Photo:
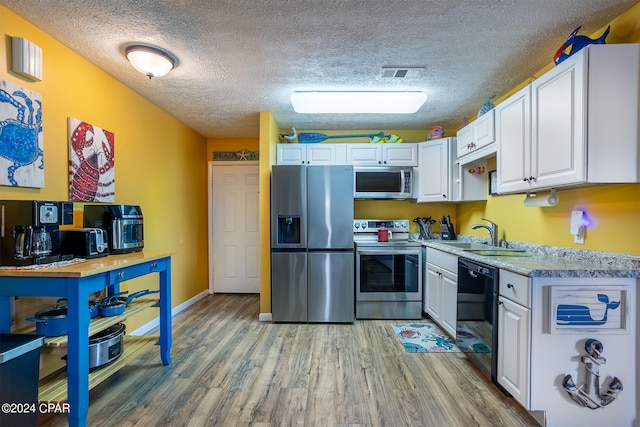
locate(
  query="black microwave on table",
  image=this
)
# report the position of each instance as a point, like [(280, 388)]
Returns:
[(388, 182)]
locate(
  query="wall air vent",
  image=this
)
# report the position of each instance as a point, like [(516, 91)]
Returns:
[(401, 72)]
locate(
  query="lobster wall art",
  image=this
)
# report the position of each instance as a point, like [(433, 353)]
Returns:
[(91, 163), (21, 151)]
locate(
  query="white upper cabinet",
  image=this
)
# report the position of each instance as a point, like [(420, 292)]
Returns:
[(513, 128), (348, 154), (477, 139), (436, 171), (311, 154), (578, 123), (558, 143), (382, 154)]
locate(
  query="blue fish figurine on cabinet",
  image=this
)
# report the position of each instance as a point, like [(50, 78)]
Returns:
[(574, 43), (487, 106)]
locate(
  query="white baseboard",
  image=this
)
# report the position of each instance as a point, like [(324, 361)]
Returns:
[(265, 317), (177, 309)]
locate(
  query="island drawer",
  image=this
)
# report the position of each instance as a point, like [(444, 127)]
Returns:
[(515, 287)]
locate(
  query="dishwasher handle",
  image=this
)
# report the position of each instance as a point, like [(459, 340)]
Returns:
[(476, 270)]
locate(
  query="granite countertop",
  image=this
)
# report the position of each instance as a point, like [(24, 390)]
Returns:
[(550, 261)]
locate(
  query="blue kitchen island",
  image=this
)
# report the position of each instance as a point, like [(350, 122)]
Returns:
[(77, 282)]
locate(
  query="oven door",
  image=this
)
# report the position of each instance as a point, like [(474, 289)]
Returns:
[(388, 274)]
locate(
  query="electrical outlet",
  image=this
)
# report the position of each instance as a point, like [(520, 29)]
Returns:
[(577, 227)]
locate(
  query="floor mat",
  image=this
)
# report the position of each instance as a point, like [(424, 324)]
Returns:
[(428, 338)]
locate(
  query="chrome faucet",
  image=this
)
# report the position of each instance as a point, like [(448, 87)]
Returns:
[(492, 228)]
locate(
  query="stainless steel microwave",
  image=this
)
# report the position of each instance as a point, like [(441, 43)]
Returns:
[(383, 182)]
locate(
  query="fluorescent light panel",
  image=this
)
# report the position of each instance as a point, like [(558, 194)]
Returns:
[(357, 102)]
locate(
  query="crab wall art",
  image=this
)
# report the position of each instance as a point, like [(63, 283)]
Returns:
[(21, 152), (91, 163)]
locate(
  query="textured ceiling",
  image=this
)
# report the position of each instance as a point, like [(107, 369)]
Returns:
[(240, 57)]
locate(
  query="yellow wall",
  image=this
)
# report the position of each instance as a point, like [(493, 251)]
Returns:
[(268, 140), (160, 163), (612, 210)]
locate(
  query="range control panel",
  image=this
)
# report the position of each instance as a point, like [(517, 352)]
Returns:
[(373, 225)]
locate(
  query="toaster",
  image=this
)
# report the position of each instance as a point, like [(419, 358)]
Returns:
[(123, 224), (84, 242)]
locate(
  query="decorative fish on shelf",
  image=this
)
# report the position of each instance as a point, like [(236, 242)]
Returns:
[(311, 137), (487, 106), (574, 43)]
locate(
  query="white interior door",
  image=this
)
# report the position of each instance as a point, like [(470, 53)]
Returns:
[(233, 223)]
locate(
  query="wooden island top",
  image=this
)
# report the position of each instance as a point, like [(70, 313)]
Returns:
[(86, 268)]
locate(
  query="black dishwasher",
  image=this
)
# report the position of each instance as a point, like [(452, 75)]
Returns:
[(478, 310)]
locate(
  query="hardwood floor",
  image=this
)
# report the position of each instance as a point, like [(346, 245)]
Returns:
[(229, 369)]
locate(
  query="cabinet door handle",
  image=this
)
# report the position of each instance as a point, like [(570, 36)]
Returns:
[(444, 195), (532, 178), (525, 179), (509, 285), (121, 275), (500, 302)]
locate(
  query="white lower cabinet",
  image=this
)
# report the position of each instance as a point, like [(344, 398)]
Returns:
[(514, 335), (449, 283), (513, 349), (441, 292), (432, 292)]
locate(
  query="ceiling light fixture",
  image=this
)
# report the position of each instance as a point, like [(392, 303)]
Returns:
[(150, 61), (362, 102)]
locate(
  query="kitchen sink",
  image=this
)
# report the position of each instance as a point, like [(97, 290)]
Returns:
[(479, 248), (498, 252), (465, 246)]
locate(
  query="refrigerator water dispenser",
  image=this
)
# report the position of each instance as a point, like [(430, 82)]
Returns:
[(288, 229)]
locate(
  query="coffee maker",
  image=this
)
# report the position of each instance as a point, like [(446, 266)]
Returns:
[(29, 231)]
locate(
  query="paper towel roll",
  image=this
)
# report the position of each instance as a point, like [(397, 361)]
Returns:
[(541, 200)]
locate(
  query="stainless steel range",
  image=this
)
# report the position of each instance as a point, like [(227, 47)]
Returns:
[(388, 273)]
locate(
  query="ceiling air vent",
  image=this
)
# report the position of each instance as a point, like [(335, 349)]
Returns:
[(401, 72)]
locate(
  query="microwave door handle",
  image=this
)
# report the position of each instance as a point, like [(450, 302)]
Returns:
[(402, 180)]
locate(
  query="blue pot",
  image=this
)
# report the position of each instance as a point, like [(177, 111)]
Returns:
[(52, 322)]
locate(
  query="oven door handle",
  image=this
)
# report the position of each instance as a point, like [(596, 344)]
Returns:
[(388, 252)]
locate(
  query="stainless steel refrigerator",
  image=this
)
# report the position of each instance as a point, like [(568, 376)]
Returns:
[(312, 260)]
